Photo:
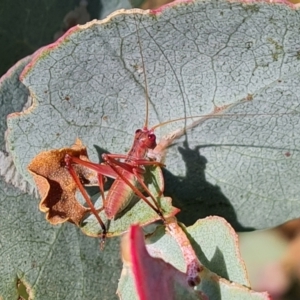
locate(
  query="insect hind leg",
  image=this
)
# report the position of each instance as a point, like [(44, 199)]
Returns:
[(70, 168)]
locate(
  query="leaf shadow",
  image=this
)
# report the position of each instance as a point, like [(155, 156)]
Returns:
[(194, 195), (217, 264)]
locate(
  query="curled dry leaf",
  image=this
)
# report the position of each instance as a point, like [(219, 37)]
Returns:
[(56, 186)]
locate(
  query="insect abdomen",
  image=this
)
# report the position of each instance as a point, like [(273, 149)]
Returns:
[(120, 195)]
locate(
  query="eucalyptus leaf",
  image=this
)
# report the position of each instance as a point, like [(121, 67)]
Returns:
[(53, 262), (50, 261), (199, 58), (217, 249)]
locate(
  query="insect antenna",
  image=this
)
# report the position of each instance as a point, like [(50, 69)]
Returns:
[(145, 75)]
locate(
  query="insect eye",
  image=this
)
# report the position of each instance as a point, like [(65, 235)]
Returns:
[(138, 131), (151, 137)]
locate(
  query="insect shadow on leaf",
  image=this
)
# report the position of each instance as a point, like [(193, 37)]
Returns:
[(194, 195)]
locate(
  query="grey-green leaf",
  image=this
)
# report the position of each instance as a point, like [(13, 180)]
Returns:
[(200, 57), (53, 262), (216, 245)]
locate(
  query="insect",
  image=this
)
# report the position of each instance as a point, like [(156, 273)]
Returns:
[(128, 176)]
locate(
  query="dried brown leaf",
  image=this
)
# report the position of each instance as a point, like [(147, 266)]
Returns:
[(57, 187)]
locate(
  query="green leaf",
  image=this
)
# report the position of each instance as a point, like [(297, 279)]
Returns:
[(153, 277), (13, 96), (217, 248), (51, 261), (198, 57), (140, 213)]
